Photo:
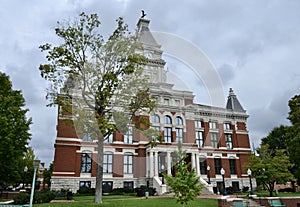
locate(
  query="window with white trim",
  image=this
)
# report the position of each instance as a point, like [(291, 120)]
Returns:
[(214, 139), (168, 120), (128, 163), (178, 120), (155, 118), (86, 163), (128, 135), (226, 126), (213, 125), (198, 124), (107, 163), (179, 135), (199, 138), (228, 140), (168, 134)]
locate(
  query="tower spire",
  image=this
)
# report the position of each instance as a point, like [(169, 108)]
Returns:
[(233, 102)]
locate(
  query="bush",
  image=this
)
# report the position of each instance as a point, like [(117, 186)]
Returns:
[(86, 191), (142, 189), (22, 198), (44, 196), (121, 191), (245, 189)]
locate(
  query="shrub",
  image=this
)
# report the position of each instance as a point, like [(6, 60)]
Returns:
[(44, 196), (86, 191), (245, 189), (142, 189), (22, 198)]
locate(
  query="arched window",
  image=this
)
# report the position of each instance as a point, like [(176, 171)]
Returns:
[(155, 118), (178, 120), (168, 120)]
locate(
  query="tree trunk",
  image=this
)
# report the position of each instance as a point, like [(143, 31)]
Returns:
[(99, 173), (271, 189)]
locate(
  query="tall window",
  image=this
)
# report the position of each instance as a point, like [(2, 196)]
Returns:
[(213, 125), (228, 140), (109, 138), (203, 165), (168, 120), (226, 126), (179, 135), (168, 134), (218, 165), (107, 163), (232, 165), (198, 124), (214, 140), (128, 162), (86, 163), (178, 121), (155, 119), (199, 138), (179, 129), (128, 136)]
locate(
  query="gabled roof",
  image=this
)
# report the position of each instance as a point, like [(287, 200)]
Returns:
[(233, 102)]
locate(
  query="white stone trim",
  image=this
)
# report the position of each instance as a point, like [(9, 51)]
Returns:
[(64, 173), (68, 139)]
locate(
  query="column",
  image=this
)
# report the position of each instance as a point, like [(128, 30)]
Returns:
[(169, 162), (193, 161), (197, 165), (151, 164), (156, 163)]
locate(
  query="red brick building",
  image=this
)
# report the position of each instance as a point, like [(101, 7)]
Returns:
[(213, 137)]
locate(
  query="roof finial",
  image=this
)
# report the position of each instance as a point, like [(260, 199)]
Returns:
[(143, 14)]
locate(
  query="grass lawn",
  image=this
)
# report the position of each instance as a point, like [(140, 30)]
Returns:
[(117, 201)]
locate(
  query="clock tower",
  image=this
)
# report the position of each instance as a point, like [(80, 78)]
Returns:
[(152, 50)]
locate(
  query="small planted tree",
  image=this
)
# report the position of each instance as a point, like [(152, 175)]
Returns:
[(186, 184)]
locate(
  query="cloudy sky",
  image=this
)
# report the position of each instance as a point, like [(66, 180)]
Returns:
[(253, 44)]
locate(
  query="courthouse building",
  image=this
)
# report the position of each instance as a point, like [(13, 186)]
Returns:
[(213, 137)]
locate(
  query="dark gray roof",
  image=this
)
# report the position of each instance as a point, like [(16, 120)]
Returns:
[(233, 103)]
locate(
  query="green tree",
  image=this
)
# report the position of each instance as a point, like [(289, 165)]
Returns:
[(99, 79), (268, 169), (294, 134), (14, 132), (277, 139), (294, 114), (47, 175), (186, 184)]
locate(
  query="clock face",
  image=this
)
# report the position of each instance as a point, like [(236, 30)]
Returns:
[(149, 54)]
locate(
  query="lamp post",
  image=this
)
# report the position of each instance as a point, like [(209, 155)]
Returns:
[(162, 170), (224, 189), (249, 172), (25, 171), (36, 164), (208, 173)]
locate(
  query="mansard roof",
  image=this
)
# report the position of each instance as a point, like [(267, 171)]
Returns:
[(233, 102)]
